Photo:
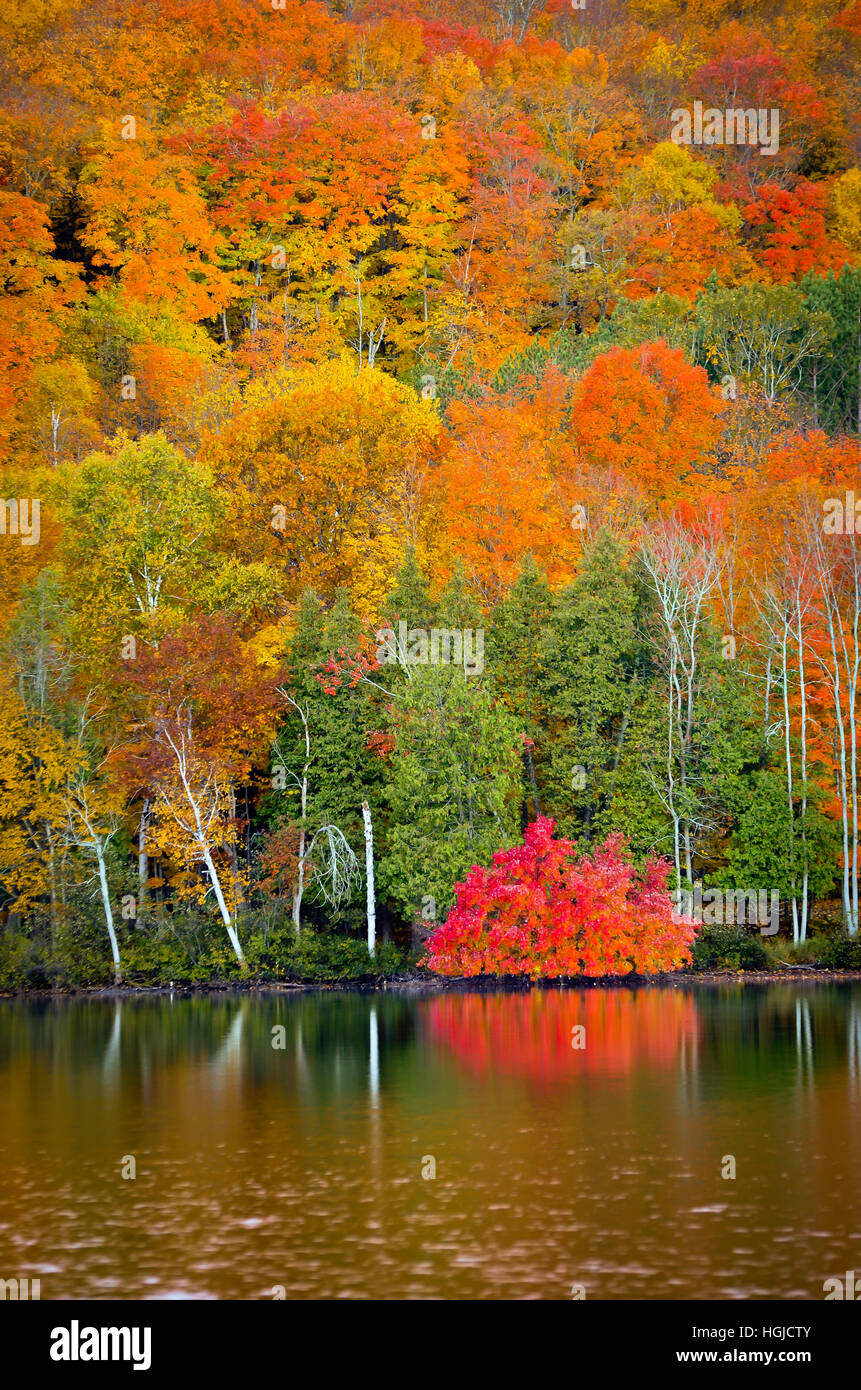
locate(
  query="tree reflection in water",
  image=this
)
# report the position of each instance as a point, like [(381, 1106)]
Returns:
[(532, 1035)]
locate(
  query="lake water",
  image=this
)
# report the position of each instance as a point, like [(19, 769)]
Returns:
[(307, 1167)]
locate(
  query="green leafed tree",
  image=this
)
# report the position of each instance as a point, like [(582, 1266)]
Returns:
[(454, 792), (763, 334), (324, 763), (831, 378), (137, 521), (592, 670), (517, 659)]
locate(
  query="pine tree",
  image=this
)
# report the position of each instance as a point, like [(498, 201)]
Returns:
[(458, 606), (590, 673), (516, 660), (831, 378), (409, 601), (307, 642), (453, 794), (338, 766)]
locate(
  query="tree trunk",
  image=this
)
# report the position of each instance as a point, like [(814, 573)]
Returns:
[(803, 697), (789, 787), (143, 856), (832, 619), (222, 905), (52, 879), (852, 669), (300, 881), (671, 786), (369, 877), (109, 915), (303, 811)]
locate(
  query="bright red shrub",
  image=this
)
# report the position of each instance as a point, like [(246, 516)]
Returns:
[(545, 911)]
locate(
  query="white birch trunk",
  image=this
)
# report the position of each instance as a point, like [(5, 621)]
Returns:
[(199, 831), (300, 883), (369, 878), (143, 856), (299, 890), (832, 618), (106, 902), (222, 905), (852, 680), (803, 699), (784, 669)]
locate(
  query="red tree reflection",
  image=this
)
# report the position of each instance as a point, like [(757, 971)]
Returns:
[(531, 1035)]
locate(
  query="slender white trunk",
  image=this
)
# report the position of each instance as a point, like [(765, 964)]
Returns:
[(369, 877), (852, 681), (683, 577), (222, 905), (830, 608), (788, 754), (106, 902), (143, 856), (300, 882), (686, 735), (303, 809), (671, 777), (300, 876), (803, 698), (199, 833)]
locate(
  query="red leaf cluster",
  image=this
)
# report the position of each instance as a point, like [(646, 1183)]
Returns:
[(543, 910), (346, 668)]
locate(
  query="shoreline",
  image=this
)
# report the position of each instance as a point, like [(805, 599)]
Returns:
[(429, 985)]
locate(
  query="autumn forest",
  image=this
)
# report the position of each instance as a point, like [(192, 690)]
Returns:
[(430, 458)]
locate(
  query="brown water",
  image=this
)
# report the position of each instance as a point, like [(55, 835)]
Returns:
[(302, 1166)]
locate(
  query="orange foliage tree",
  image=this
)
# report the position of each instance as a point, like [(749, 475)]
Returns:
[(648, 413)]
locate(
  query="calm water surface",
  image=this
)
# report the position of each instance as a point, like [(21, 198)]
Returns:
[(302, 1166)]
